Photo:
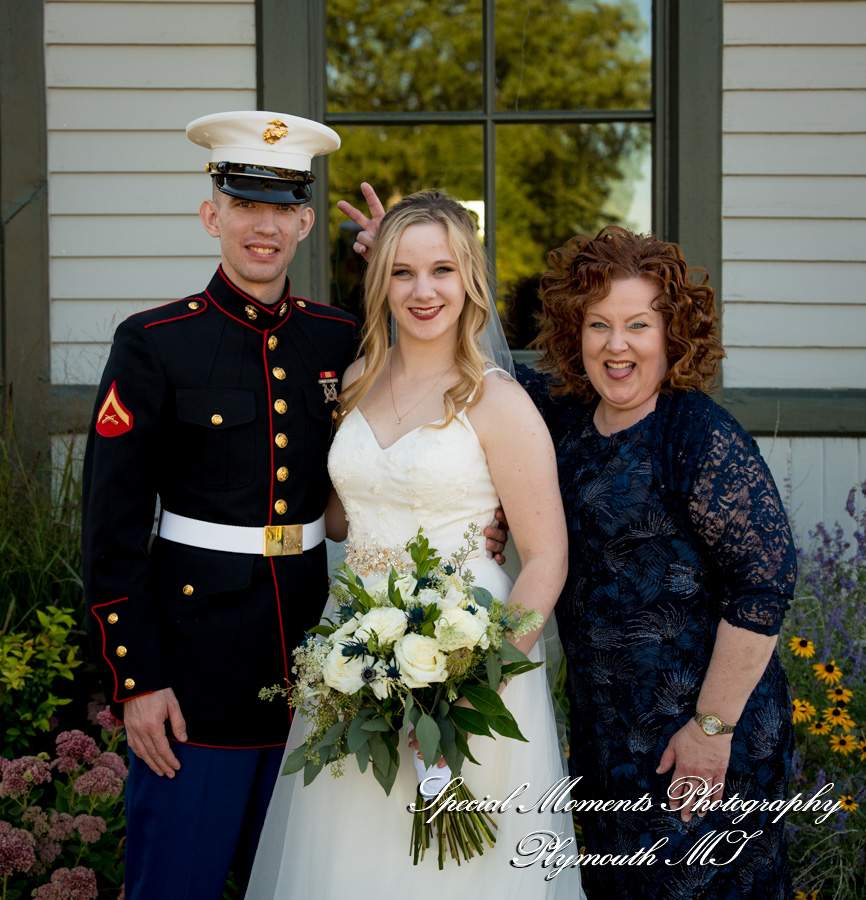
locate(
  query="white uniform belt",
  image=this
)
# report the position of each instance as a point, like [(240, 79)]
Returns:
[(268, 540)]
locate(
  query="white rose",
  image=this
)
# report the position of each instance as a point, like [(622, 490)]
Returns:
[(406, 586), (347, 628), (380, 593), (458, 628), (388, 622), (420, 660), (343, 673), (454, 597), (426, 596)]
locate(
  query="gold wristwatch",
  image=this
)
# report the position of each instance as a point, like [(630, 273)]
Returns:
[(713, 724)]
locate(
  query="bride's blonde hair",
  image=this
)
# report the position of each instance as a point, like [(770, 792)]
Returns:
[(460, 228)]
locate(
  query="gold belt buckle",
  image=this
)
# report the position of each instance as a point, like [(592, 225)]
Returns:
[(283, 540)]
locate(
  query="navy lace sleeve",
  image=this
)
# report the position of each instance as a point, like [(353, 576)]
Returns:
[(536, 385), (736, 512)]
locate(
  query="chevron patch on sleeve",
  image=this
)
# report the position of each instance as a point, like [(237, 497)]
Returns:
[(113, 418)]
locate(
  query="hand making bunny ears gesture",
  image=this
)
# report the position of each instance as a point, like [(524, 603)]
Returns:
[(364, 240)]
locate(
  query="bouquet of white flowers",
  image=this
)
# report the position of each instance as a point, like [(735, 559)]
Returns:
[(399, 658)]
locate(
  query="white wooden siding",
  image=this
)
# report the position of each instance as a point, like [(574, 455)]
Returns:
[(814, 476), (123, 78), (794, 194)]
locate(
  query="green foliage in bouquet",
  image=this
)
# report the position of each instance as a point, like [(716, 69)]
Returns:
[(400, 658)]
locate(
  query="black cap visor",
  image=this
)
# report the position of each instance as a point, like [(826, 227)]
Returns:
[(262, 185)]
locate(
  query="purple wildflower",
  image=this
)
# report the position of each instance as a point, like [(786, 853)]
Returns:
[(109, 721), (16, 850)]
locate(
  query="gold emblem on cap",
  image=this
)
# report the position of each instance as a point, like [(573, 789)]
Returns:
[(281, 506), (250, 311), (129, 684), (279, 373), (275, 133), (188, 589), (281, 440), (282, 473), (281, 406), (272, 343), (283, 309), (216, 419), (121, 651), (193, 304), (112, 618)]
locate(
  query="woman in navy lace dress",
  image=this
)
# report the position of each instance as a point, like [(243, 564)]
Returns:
[(681, 568)]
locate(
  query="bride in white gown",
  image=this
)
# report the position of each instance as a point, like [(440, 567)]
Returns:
[(427, 441)]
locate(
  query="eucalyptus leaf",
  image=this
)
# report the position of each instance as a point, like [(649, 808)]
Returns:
[(295, 761), (482, 596), (312, 768), (494, 670), (377, 724), (379, 752), (356, 737), (363, 757), (448, 742), (427, 735), (463, 746), (385, 777)]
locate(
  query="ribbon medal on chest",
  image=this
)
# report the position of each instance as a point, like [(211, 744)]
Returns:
[(329, 380)]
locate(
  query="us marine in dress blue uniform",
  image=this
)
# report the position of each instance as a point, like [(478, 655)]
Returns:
[(219, 404)]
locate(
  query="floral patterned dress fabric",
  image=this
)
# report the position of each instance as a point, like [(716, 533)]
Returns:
[(673, 523)]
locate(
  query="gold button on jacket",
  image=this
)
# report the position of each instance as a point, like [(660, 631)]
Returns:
[(112, 618), (281, 506), (188, 589), (272, 342), (279, 373), (121, 651), (217, 419), (282, 473), (129, 684), (281, 440), (280, 406)]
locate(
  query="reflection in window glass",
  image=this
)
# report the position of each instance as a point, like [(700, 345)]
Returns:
[(555, 181), (573, 54), (396, 160), (404, 55)]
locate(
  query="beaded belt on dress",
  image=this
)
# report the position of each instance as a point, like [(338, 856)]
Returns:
[(366, 560)]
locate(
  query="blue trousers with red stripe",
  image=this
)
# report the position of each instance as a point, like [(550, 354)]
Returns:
[(185, 833)]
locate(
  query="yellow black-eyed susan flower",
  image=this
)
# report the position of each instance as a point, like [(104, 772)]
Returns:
[(802, 895), (829, 673), (820, 728), (801, 647), (848, 803), (803, 711), (861, 746), (842, 743), (838, 715), (839, 695)]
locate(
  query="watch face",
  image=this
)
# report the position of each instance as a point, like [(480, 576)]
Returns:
[(711, 724)]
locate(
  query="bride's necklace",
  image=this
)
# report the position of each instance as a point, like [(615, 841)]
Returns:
[(401, 416)]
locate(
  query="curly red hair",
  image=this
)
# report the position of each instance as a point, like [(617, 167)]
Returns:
[(580, 275)]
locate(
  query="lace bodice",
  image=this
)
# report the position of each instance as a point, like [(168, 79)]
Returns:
[(435, 478)]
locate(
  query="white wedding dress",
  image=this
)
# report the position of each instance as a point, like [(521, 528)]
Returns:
[(343, 837)]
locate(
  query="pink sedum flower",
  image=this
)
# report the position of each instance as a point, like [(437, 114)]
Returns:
[(17, 852), (73, 749), (60, 827), (90, 828), (69, 884), (99, 782), (20, 775), (112, 761)]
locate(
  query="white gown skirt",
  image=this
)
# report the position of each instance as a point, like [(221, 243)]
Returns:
[(344, 838)]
